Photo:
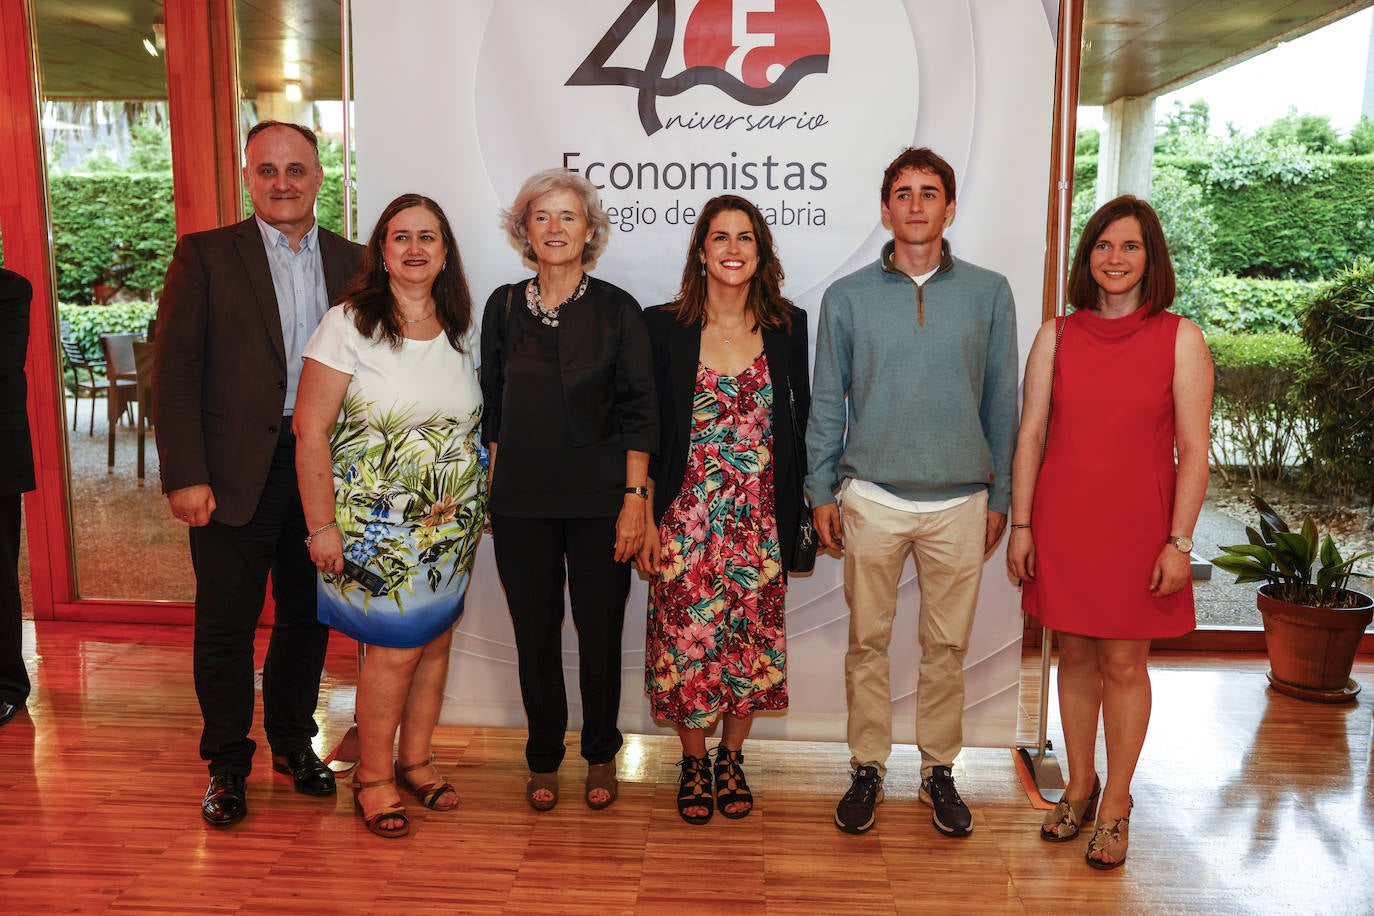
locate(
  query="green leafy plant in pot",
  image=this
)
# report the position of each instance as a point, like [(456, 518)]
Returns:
[(1313, 621)]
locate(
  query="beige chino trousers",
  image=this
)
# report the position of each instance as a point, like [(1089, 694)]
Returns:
[(948, 547)]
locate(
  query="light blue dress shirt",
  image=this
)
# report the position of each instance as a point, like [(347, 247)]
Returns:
[(302, 300)]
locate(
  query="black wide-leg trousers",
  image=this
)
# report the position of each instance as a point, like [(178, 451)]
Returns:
[(231, 565), (532, 558)]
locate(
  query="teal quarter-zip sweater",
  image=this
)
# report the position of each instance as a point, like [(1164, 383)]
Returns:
[(929, 374)]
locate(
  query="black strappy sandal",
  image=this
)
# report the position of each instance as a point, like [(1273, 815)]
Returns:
[(731, 787), (694, 789)]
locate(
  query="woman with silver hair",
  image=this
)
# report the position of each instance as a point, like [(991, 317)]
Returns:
[(571, 414)]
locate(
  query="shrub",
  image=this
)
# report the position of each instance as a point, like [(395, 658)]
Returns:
[(1241, 305), (1300, 231), (85, 323), (1259, 422), (1339, 385), (116, 228)]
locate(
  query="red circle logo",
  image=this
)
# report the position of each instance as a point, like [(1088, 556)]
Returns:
[(754, 40)]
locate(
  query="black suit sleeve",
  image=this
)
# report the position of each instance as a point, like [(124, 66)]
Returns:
[(16, 450)]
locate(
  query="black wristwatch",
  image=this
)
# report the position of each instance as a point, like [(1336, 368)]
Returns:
[(637, 491)]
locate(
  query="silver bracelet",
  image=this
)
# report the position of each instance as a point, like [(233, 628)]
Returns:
[(320, 530)]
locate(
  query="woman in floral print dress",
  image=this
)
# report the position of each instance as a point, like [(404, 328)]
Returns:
[(730, 359), (393, 480)]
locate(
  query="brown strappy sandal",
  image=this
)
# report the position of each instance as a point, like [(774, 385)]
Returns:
[(430, 793), (375, 821)]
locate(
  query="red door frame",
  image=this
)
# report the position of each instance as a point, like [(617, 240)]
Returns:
[(201, 64)]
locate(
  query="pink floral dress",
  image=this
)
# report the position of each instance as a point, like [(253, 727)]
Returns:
[(716, 636)]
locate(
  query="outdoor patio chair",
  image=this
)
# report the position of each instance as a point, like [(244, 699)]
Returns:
[(79, 362), (122, 390)]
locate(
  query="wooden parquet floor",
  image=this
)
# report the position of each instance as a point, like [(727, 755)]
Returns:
[(1246, 802)]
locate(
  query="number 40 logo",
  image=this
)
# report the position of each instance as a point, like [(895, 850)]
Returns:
[(755, 51)]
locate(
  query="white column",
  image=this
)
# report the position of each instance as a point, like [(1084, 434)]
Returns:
[(1128, 149)]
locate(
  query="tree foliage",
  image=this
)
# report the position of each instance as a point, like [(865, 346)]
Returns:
[(1182, 126), (1312, 132)]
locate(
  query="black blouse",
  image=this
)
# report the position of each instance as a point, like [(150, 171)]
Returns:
[(564, 404)]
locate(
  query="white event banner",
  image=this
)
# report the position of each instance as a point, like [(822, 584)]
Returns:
[(797, 105)]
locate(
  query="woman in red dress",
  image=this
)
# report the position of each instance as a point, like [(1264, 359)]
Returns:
[(1106, 488)]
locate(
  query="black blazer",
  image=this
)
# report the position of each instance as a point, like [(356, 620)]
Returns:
[(220, 376), (607, 394), (16, 446), (677, 352)]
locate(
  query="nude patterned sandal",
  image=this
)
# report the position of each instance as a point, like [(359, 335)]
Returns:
[(1112, 839), (1068, 817)]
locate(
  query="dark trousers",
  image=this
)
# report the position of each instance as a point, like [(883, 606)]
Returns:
[(531, 558), (231, 565), (14, 677)]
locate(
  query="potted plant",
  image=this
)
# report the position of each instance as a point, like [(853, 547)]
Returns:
[(1313, 621)]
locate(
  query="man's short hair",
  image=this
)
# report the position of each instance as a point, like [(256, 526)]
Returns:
[(922, 159), (301, 129)]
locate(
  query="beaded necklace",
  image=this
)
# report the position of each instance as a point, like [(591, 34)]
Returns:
[(535, 301)]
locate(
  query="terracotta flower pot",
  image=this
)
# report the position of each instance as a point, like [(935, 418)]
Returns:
[(1312, 649)]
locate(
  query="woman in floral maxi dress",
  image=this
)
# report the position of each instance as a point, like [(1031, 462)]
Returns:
[(730, 360), (393, 480)]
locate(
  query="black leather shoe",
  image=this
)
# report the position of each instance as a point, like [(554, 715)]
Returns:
[(306, 770), (224, 803), (7, 711)]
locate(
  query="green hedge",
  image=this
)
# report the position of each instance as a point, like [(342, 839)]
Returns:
[(1240, 305), (1339, 383), (1304, 231), (1269, 229), (1259, 420), (119, 229), (115, 228), (85, 323)]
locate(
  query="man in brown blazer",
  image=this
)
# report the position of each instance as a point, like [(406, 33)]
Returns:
[(16, 478), (237, 308)]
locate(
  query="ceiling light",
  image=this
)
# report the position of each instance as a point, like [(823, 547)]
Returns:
[(293, 91), (149, 47), (291, 70)]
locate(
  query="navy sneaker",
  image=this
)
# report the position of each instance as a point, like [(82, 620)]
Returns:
[(951, 817), (854, 813)]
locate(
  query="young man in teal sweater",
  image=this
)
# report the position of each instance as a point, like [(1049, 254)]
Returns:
[(923, 346)]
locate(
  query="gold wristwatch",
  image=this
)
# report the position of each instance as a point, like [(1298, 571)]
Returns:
[(1182, 542)]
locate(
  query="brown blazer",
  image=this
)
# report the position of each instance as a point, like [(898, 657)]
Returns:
[(220, 379)]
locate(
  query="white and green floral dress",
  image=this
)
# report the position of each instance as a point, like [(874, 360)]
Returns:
[(409, 482)]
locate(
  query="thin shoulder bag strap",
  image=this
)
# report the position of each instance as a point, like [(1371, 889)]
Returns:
[(797, 443), (1054, 356)]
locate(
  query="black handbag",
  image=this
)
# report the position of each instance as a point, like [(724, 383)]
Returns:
[(803, 558)]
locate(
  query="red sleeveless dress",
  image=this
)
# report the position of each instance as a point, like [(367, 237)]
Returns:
[(1105, 495)]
